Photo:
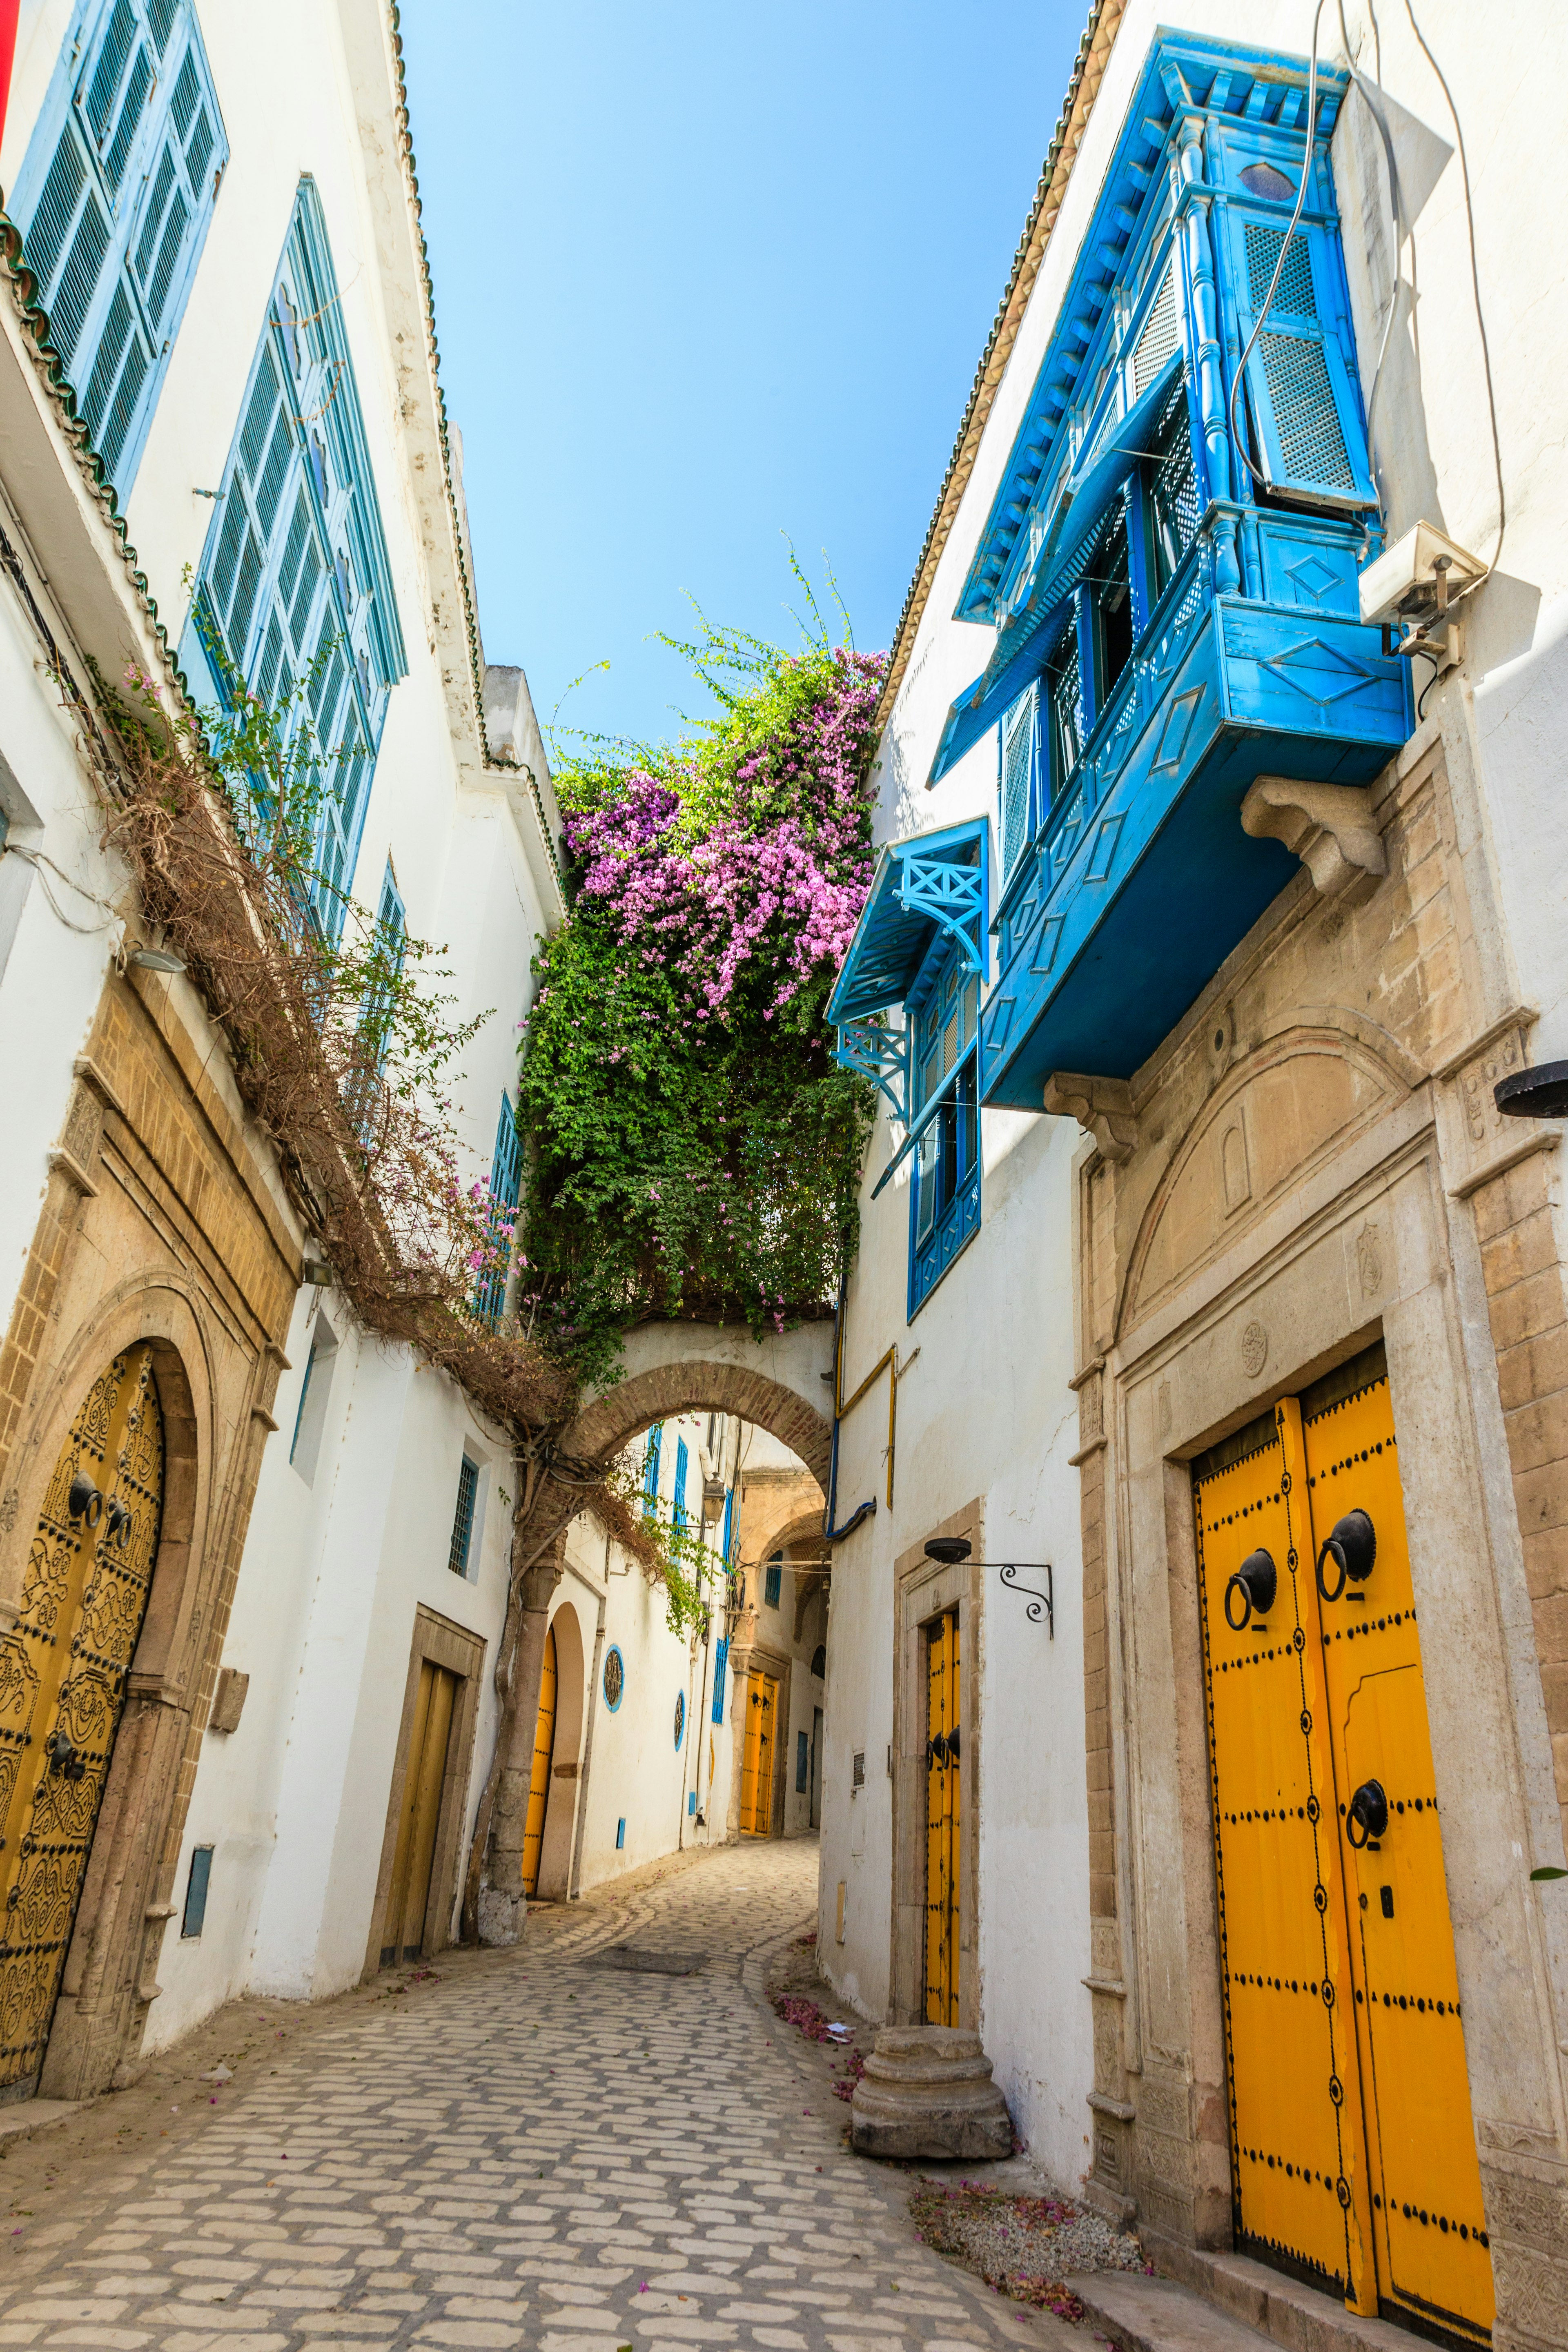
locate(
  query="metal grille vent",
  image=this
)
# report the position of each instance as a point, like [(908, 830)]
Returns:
[(1161, 332), (1310, 442), (1294, 291), (1017, 735)]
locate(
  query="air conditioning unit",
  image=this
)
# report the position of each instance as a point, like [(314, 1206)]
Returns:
[(1410, 593)]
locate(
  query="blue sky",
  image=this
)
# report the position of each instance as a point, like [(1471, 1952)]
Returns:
[(705, 275)]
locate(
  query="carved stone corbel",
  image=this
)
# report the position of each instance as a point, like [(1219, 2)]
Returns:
[(1102, 1108), (1329, 827)]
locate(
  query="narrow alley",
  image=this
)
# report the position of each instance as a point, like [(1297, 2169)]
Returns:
[(552, 2149)]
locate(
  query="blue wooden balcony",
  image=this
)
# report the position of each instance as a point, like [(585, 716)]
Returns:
[(1139, 880)]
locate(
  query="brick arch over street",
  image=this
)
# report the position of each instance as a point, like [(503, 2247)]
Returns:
[(783, 1385)]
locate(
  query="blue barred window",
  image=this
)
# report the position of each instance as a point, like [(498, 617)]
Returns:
[(294, 589), (506, 1192), (114, 198)]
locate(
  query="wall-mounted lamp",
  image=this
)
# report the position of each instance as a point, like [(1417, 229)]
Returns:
[(156, 960), (950, 1551), (1541, 1093)]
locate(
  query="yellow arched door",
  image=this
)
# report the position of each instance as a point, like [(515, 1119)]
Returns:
[(62, 1684), (539, 1779), (757, 1758)]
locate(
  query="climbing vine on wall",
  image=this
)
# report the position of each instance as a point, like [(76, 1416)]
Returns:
[(693, 1149)]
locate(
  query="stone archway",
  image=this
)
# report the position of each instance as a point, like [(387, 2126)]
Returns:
[(782, 1384)]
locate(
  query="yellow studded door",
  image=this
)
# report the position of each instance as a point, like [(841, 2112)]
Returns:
[(538, 1777), (1330, 1894), (757, 1758), (943, 1820), (62, 1684), (1433, 2247)]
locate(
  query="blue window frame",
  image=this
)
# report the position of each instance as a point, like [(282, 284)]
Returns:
[(943, 1011), (463, 1517), (724, 1531), (774, 1583), (506, 1192), (650, 1462), (677, 1513), (114, 198), (195, 1912), (294, 590), (721, 1663)]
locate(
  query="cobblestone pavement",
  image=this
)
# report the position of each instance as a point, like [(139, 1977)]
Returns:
[(549, 2151)]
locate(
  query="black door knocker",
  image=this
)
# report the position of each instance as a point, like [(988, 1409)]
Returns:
[(941, 1750), (1369, 1811), (1258, 1581), (84, 1501), (1354, 1546), (61, 1751)]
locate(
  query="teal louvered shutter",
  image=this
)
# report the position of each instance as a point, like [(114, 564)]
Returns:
[(678, 1511), (116, 191), (1312, 440), (506, 1192), (650, 1461), (1017, 777)]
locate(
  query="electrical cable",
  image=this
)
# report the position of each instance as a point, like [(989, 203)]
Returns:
[(1476, 289), (1278, 267), (1396, 201), (39, 860)]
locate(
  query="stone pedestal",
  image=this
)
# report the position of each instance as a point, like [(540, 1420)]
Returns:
[(927, 2092)]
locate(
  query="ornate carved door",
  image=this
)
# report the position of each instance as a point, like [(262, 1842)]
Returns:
[(943, 1820), (62, 1686), (1353, 2151)]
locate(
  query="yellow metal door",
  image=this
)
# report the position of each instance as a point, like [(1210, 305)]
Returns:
[(539, 1779), (419, 1817), (1350, 2113), (1299, 2165), (62, 1683), (943, 1820), (1433, 2249), (757, 1760)]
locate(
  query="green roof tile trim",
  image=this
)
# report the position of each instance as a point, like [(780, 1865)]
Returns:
[(35, 326), (1093, 49), (475, 666)]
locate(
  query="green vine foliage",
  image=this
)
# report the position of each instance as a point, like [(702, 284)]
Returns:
[(693, 1150)]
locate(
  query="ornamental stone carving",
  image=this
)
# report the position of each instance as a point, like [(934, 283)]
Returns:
[(1102, 1108), (1329, 827)]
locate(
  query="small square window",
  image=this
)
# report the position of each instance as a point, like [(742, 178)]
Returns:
[(190, 1925), (463, 1518)]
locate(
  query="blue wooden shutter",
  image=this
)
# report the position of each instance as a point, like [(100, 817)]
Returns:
[(298, 536), (650, 1461), (1311, 440), (678, 1513), (721, 1661), (506, 1190), (1018, 773), (116, 191)]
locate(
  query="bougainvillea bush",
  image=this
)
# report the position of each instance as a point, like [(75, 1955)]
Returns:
[(693, 1149)]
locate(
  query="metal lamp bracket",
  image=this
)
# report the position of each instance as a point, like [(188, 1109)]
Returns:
[(1039, 1607)]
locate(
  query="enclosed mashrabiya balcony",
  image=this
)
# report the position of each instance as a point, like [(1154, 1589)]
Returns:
[(1171, 566)]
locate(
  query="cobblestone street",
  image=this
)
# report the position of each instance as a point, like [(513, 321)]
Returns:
[(547, 2150)]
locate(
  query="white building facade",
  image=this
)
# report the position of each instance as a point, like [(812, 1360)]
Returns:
[(1195, 1710)]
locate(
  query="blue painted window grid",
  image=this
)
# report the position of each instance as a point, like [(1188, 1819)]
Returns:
[(506, 1192), (677, 1513), (721, 1662), (115, 194), (463, 1517), (773, 1583), (196, 1884), (294, 593), (942, 1011), (650, 1462)]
